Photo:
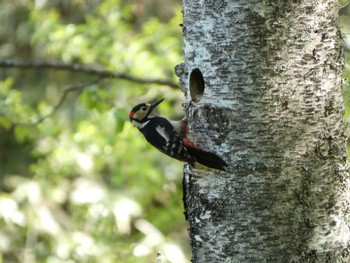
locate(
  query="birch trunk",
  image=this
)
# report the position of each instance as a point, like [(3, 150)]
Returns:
[(262, 81)]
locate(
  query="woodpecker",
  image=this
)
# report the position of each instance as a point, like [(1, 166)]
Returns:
[(171, 137)]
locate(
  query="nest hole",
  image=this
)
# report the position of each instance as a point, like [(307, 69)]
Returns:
[(196, 85)]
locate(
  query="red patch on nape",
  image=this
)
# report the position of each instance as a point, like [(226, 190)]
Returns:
[(188, 143), (131, 114)]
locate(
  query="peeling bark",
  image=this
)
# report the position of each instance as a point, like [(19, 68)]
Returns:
[(271, 105)]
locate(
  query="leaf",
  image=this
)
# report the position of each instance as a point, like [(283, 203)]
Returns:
[(21, 133), (4, 122), (120, 117)]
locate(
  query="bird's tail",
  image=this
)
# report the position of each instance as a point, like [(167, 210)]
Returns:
[(208, 159)]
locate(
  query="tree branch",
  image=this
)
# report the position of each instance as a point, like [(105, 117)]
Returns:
[(103, 73), (78, 87)]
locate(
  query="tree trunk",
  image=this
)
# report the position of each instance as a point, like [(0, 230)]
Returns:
[(263, 88)]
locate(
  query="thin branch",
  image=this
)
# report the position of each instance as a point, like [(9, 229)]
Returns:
[(103, 73), (78, 87)]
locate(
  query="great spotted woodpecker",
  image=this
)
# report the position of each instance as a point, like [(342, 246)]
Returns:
[(170, 137)]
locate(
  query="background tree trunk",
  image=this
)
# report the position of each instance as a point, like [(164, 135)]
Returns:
[(265, 82)]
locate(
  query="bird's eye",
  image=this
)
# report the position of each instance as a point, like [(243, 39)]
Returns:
[(144, 108)]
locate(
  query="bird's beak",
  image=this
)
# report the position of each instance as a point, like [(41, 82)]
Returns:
[(155, 104)]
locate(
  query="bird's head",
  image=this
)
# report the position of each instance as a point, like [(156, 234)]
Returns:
[(139, 114)]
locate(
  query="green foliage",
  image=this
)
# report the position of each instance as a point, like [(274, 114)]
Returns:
[(82, 185)]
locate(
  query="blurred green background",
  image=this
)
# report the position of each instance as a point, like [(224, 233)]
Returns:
[(81, 185)]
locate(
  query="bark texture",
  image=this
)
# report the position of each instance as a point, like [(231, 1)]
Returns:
[(262, 81)]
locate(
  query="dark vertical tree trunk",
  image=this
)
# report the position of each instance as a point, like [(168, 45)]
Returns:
[(264, 81)]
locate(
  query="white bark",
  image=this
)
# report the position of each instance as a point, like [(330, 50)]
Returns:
[(272, 107)]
